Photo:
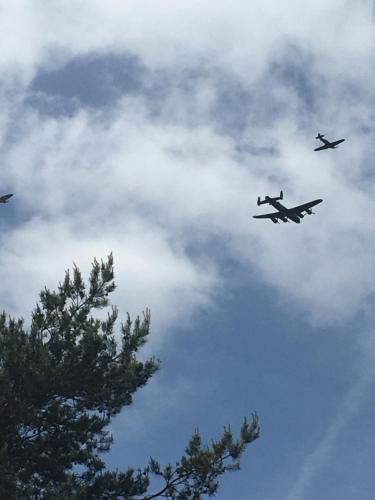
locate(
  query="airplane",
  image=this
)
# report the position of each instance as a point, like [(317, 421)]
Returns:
[(294, 214), (327, 144), (5, 198)]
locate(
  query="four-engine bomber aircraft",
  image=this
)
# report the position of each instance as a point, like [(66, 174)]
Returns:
[(327, 144), (286, 214)]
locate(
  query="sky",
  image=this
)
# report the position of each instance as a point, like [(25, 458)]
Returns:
[(149, 129)]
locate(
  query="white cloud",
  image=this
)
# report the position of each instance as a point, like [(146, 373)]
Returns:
[(238, 36), (148, 272), (100, 180)]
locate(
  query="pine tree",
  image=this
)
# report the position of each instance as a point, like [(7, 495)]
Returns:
[(62, 381)]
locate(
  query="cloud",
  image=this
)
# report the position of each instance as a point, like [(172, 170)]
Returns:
[(180, 174), (148, 272), (241, 101), (239, 36)]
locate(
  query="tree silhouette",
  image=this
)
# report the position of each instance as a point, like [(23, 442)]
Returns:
[(63, 380)]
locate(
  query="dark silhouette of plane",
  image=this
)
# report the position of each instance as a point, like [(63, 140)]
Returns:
[(327, 144), (5, 198), (294, 214)]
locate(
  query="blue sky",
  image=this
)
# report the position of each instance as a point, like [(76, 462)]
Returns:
[(149, 130)]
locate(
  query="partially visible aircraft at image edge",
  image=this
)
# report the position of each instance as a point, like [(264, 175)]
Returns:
[(327, 144), (294, 214), (5, 198)]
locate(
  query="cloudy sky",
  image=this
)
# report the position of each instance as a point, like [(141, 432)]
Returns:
[(149, 129)]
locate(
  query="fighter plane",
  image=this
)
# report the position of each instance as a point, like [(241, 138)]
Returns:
[(294, 214), (5, 198), (327, 144)]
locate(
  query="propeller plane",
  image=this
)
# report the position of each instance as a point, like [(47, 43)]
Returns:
[(285, 214), (5, 198), (327, 144)]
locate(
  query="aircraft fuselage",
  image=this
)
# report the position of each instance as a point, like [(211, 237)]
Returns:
[(331, 145), (292, 216)]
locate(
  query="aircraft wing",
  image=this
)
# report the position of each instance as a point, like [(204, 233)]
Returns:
[(302, 208), (337, 142), (5, 198), (322, 147), (274, 215)]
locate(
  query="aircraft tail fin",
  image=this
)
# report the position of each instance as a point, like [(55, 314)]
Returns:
[(319, 136), (277, 198), (268, 199)]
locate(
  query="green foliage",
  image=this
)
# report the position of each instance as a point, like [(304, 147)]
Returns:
[(198, 469), (62, 381)]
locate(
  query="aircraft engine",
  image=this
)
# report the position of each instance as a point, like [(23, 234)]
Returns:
[(309, 211), (284, 219), (301, 215), (275, 221)]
